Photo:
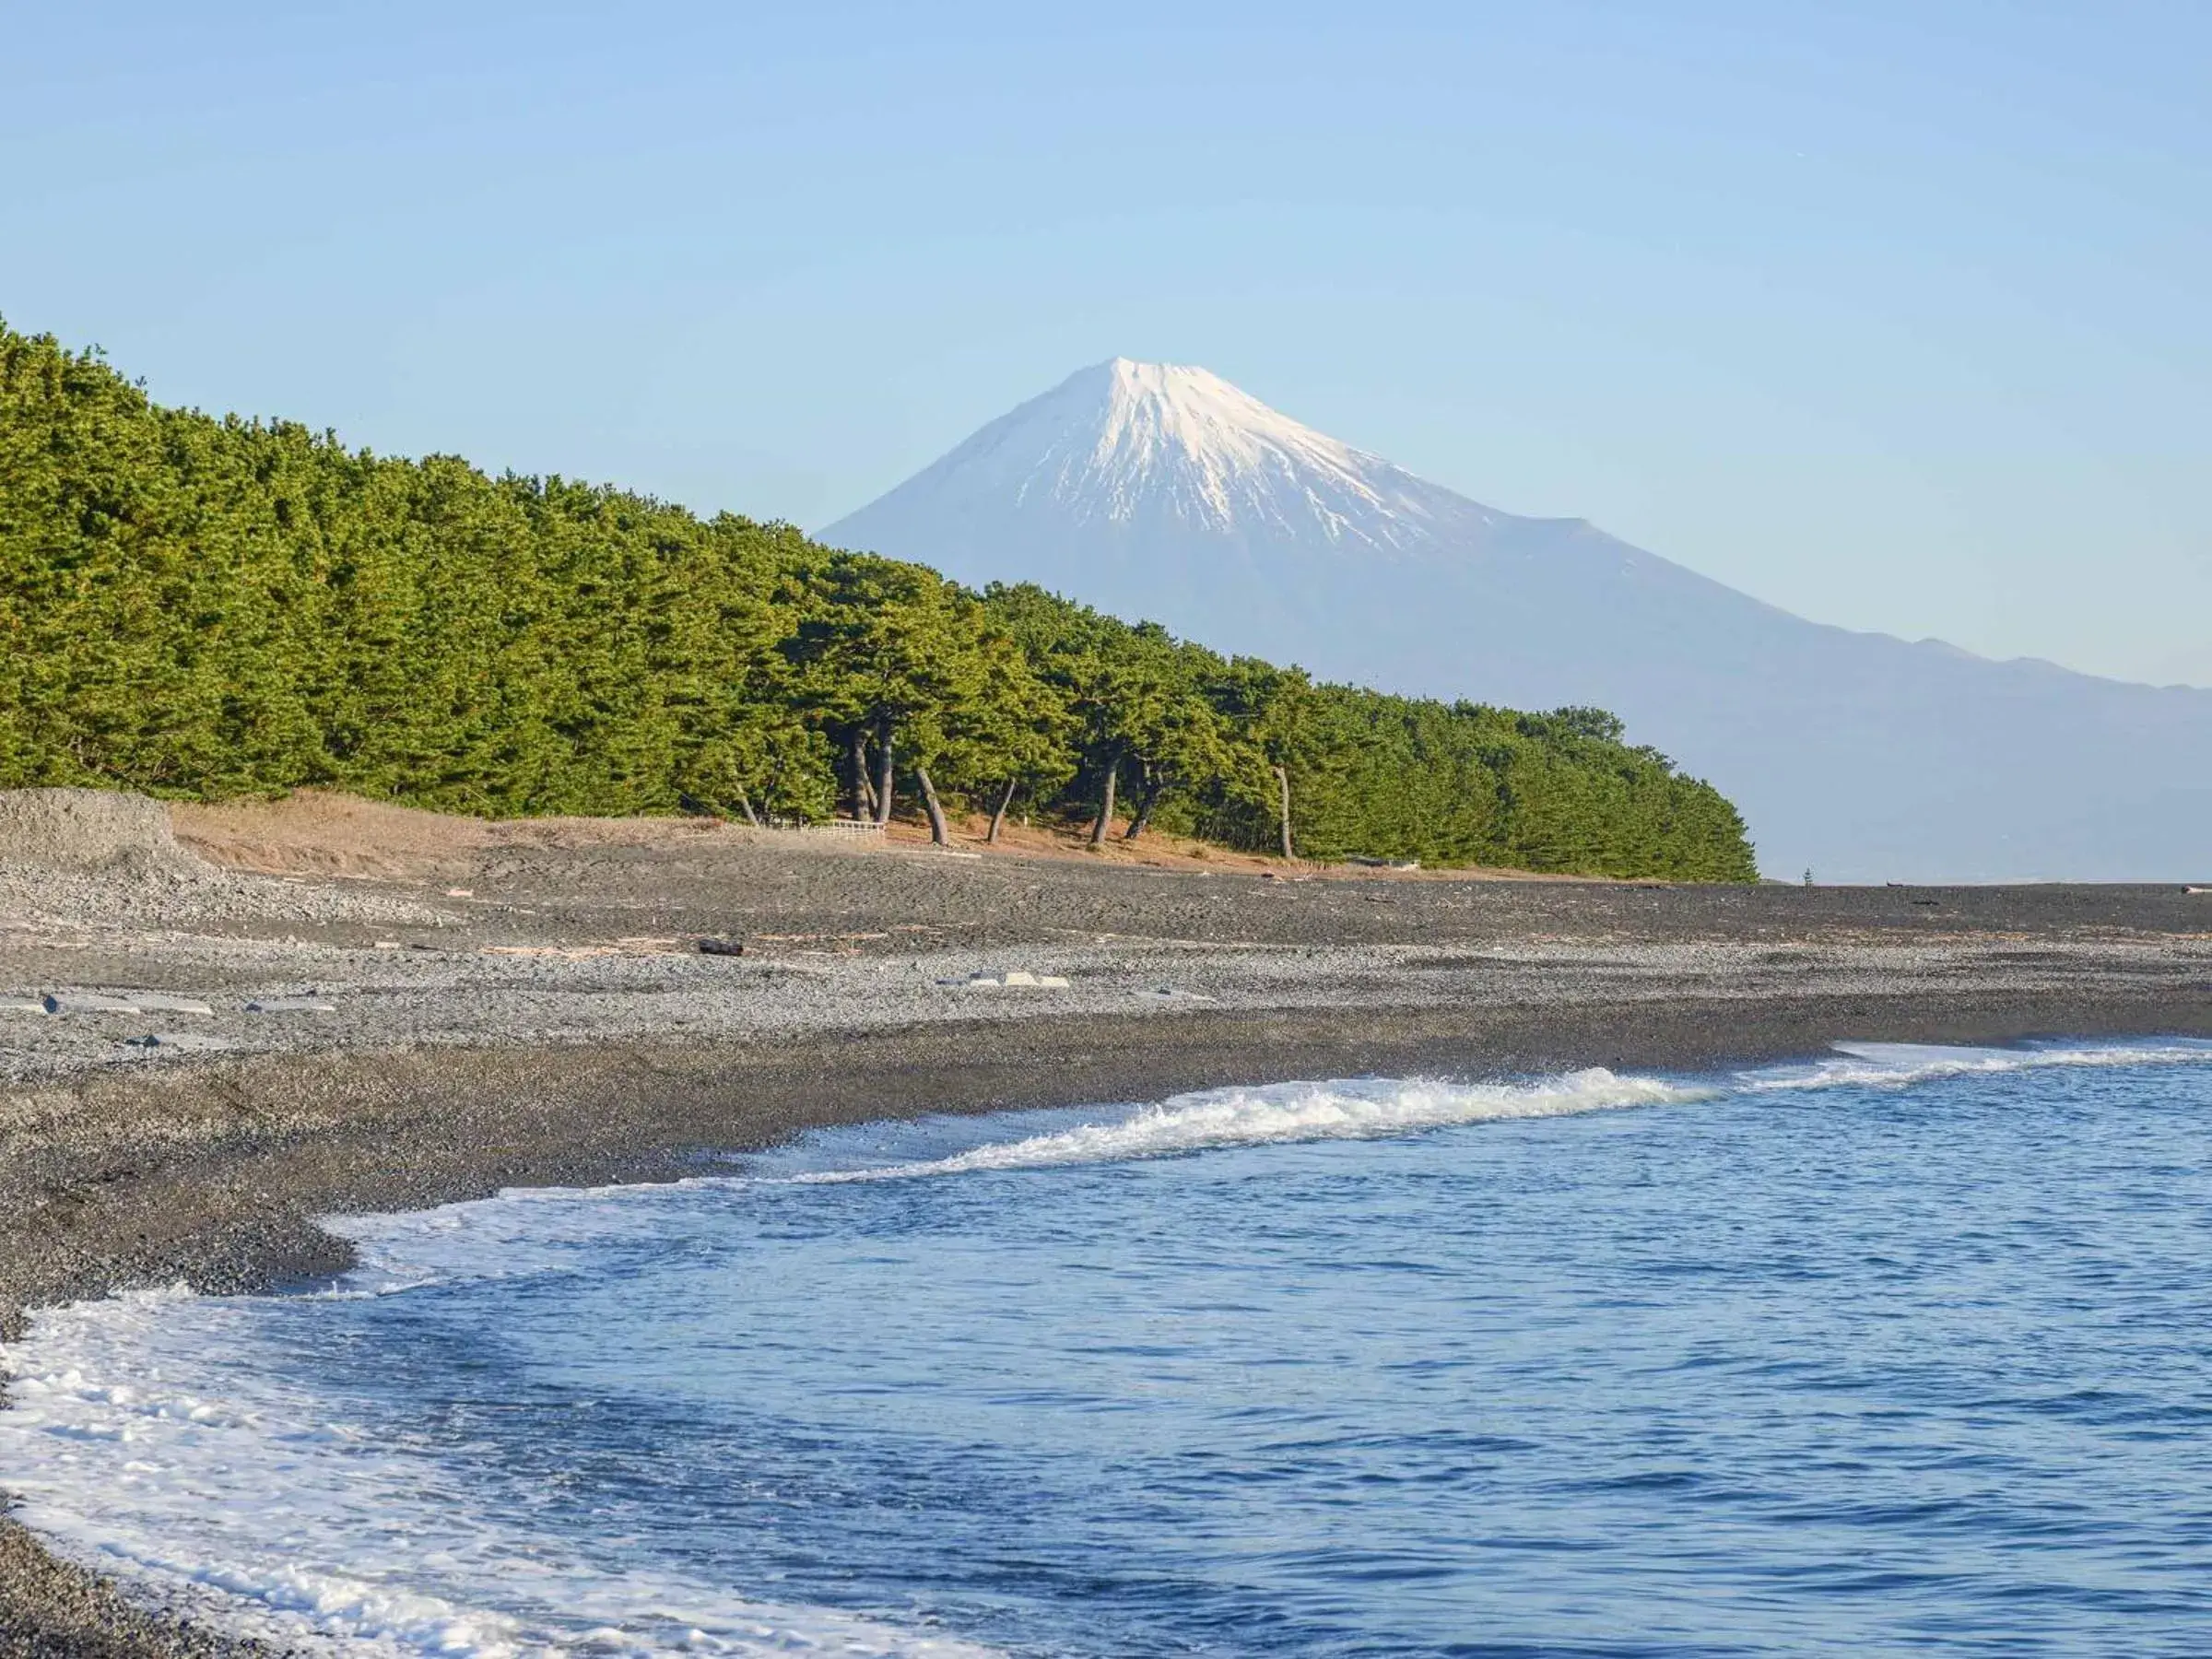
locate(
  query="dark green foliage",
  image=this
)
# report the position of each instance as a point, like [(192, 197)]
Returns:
[(1373, 775), (204, 608)]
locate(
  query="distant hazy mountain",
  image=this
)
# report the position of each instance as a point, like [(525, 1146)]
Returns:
[(1164, 492)]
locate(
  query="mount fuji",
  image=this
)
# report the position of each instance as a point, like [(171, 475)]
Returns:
[(1163, 492)]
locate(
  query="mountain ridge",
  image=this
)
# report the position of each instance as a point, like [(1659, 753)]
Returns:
[(1858, 754)]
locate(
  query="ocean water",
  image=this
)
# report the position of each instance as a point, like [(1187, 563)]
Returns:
[(1908, 1351)]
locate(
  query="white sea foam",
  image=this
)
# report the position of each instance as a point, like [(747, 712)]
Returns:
[(1289, 1112), (235, 1483), (239, 1494), (1363, 1109), (1898, 1064)]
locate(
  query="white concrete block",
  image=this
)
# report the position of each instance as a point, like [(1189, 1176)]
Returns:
[(155, 1002), (87, 1002)]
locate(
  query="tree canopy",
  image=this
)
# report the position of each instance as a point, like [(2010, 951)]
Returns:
[(204, 608)]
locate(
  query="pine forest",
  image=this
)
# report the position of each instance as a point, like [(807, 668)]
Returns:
[(208, 607)]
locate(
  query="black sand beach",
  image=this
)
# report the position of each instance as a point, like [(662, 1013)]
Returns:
[(528, 1006)]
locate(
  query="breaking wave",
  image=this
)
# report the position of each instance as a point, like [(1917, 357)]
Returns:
[(1290, 1112), (1364, 1109), (198, 1446), (1897, 1065)]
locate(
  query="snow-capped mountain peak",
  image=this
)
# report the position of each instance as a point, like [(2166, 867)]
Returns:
[(1161, 491), (1125, 442), (1221, 444)]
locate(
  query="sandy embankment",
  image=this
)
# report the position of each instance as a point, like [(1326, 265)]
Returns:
[(525, 1004)]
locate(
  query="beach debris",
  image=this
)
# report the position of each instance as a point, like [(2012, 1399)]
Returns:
[(2205, 890), (155, 1002), (17, 1005), (289, 1005), (1176, 994), (579, 953), (387, 945), (87, 1002), (460, 892), (183, 1042), (1018, 978), (723, 948)]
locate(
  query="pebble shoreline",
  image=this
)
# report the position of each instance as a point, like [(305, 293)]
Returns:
[(560, 1025)]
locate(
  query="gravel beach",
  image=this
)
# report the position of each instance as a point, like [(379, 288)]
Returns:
[(209, 1037)]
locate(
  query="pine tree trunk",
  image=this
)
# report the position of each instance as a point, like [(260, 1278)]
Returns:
[(864, 795), (744, 803), (883, 771), (938, 833), (1282, 778), (1097, 831), (1143, 809), (998, 819)]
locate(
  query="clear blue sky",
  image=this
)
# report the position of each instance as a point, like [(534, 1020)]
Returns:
[(1898, 314)]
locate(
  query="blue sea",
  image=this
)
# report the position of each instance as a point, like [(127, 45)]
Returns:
[(1905, 1350)]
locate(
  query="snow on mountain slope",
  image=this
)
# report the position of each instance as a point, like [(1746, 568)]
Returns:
[(1130, 444), (1125, 441), (1165, 493)]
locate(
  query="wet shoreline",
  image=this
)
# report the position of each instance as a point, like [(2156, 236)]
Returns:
[(558, 1027)]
